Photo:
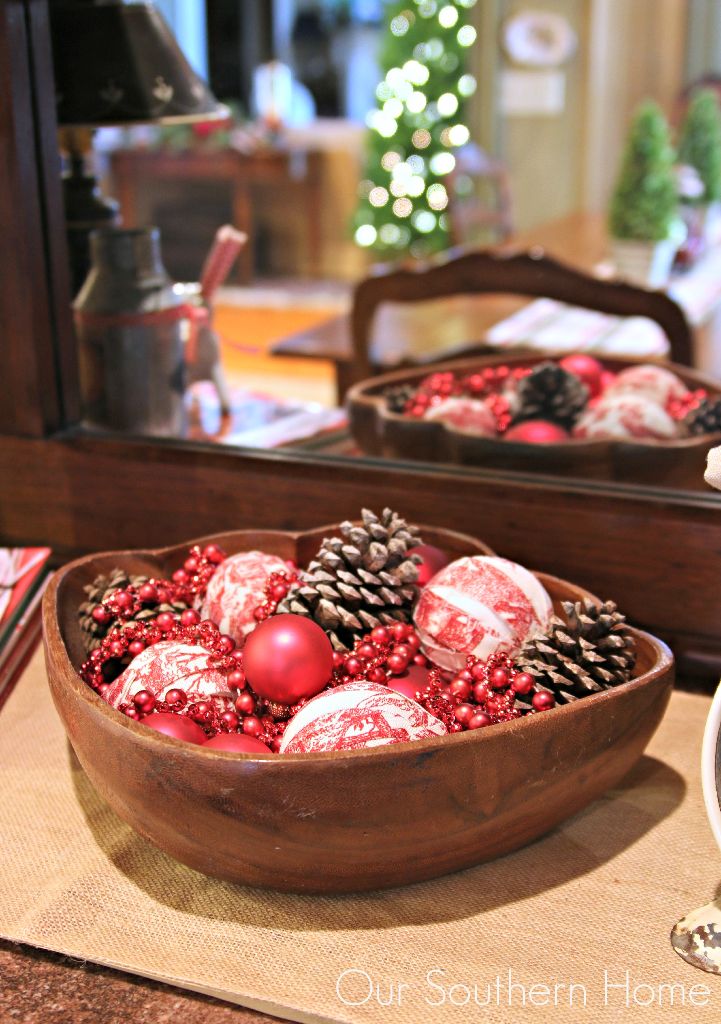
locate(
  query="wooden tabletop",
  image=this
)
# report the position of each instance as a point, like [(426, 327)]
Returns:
[(39, 987)]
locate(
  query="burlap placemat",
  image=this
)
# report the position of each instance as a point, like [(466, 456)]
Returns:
[(598, 895)]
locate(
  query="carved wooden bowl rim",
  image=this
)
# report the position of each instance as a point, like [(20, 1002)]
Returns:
[(661, 658), (364, 393)]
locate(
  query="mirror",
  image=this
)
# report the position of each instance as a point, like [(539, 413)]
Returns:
[(536, 110)]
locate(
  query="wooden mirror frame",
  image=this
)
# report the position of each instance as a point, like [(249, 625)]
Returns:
[(650, 550)]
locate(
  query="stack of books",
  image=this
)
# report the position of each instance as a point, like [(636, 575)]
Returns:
[(23, 577)]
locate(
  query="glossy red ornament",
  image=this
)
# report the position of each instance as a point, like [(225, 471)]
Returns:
[(176, 726), (464, 713), (148, 593), (498, 678), (245, 703), (288, 658), (586, 368), (523, 682), (213, 553), (144, 701), (252, 726), (543, 700), (414, 681), (234, 743), (537, 432)]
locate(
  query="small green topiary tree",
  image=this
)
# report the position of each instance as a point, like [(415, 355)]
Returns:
[(700, 143), (645, 198)]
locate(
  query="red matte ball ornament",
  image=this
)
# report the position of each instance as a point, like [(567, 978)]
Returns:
[(288, 658), (537, 432), (234, 743), (432, 561), (586, 368), (175, 726)]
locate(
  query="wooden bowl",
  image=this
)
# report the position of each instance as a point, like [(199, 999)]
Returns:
[(356, 820), (378, 431)]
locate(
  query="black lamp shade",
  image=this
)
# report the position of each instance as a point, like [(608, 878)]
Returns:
[(118, 63)]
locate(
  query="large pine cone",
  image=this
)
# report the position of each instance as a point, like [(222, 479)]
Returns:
[(592, 651), (360, 580), (551, 393), (705, 418), (99, 591)]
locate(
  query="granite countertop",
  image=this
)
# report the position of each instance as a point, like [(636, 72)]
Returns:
[(45, 988)]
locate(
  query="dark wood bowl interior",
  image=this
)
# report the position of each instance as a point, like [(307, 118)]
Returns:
[(378, 431), (334, 822)]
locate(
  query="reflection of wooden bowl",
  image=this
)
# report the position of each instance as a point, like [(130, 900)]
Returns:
[(379, 431), (346, 821)]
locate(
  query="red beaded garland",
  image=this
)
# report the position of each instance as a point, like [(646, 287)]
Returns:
[(186, 585), (276, 588), (488, 384), (679, 408)]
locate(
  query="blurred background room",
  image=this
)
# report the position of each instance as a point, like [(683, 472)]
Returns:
[(335, 141)]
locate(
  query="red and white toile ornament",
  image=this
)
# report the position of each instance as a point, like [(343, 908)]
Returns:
[(479, 606), (165, 666), (358, 715), (655, 382), (626, 415), (472, 415), (237, 589)]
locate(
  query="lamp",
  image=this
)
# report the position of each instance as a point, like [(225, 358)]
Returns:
[(115, 64)]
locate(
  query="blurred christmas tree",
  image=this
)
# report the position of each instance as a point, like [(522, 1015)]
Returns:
[(700, 142), (415, 127), (645, 199)]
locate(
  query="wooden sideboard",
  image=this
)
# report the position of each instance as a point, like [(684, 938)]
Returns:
[(136, 171)]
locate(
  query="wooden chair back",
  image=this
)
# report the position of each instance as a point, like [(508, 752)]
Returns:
[(533, 274)]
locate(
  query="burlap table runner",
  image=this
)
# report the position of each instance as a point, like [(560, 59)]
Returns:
[(598, 895)]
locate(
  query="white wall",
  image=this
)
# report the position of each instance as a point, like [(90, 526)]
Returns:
[(187, 20)]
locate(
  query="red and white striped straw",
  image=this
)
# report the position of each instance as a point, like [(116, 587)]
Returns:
[(226, 245)]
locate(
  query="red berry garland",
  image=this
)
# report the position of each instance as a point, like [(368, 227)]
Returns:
[(186, 585), (679, 408), (487, 383), (276, 588), (119, 647), (484, 693)]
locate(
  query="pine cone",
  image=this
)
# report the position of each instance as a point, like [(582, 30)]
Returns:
[(100, 590), (705, 418), (550, 393), (359, 580), (590, 652), (398, 396)]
